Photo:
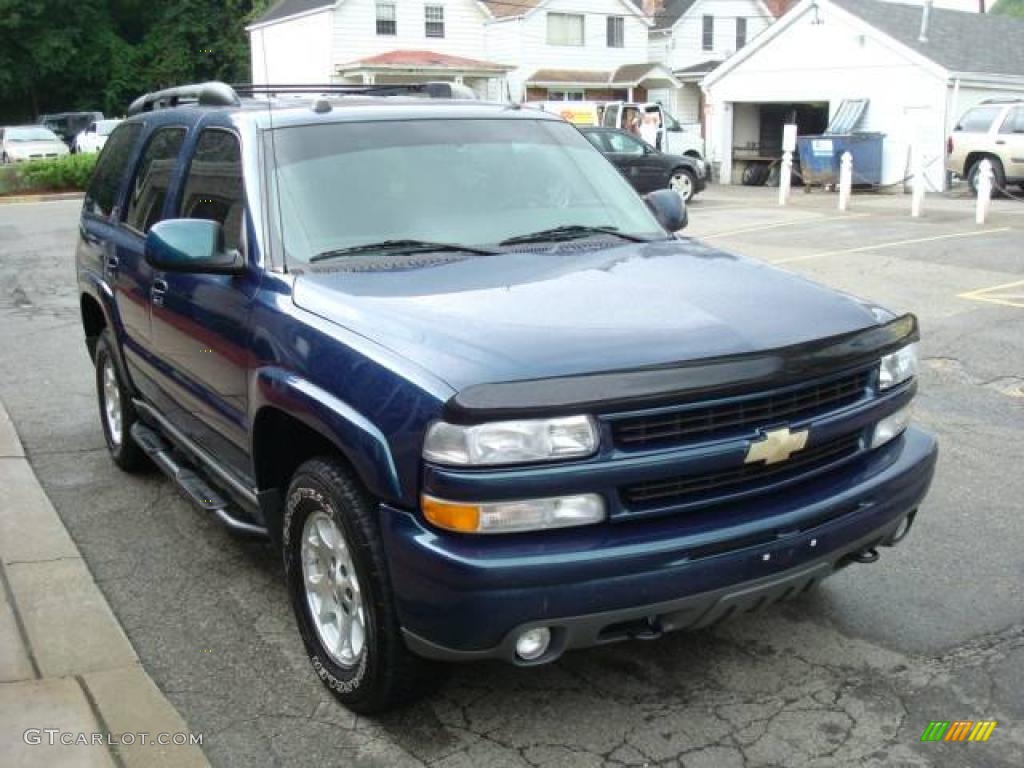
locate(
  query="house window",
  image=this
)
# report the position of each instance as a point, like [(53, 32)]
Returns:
[(616, 32), (708, 38), (434, 16), (387, 21), (565, 95), (565, 29), (741, 33)]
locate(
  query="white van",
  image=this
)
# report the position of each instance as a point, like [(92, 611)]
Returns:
[(671, 136)]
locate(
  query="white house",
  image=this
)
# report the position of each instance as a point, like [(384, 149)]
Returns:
[(575, 50), (692, 37), (504, 49), (376, 41), (917, 78)]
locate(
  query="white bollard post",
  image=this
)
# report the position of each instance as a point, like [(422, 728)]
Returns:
[(984, 191), (785, 177), (918, 188), (845, 180)]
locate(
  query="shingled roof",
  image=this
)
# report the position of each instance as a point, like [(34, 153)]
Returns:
[(957, 41), (282, 9), (513, 8)]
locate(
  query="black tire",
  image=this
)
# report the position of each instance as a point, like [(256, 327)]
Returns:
[(123, 450), (675, 183), (998, 176), (385, 675)]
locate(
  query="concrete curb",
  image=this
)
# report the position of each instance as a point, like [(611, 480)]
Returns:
[(65, 661), (51, 198)]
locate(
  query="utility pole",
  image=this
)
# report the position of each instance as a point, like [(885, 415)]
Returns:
[(981, 6)]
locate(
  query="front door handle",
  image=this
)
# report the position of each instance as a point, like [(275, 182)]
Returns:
[(158, 290), (1000, 142)]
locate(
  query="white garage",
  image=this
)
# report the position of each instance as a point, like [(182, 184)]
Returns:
[(918, 70)]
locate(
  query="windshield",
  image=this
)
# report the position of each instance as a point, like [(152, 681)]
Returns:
[(31, 134), (106, 127), (461, 182)]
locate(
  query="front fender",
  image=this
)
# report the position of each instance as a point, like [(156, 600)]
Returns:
[(362, 443)]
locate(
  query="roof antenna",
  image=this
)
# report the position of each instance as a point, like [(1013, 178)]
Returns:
[(926, 16), (273, 151)]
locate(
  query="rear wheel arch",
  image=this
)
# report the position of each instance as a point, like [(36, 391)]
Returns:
[(93, 322)]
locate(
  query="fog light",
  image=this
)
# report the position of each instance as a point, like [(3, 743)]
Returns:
[(533, 643), (891, 427)]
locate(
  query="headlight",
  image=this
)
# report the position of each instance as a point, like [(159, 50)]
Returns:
[(514, 516), (511, 442), (891, 427), (898, 367)]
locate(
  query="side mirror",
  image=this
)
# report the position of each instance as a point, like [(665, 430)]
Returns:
[(668, 208), (191, 245)]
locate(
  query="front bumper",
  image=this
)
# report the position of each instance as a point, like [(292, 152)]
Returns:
[(464, 598)]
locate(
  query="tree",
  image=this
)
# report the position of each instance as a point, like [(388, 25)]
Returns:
[(61, 55), (1009, 7)]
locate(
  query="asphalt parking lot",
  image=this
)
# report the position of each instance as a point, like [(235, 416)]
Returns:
[(849, 675)]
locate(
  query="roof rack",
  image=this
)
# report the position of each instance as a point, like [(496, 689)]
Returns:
[(215, 94), (212, 94)]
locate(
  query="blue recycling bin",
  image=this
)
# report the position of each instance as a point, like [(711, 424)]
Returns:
[(820, 157)]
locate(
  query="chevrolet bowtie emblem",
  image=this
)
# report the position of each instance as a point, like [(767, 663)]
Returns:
[(777, 446)]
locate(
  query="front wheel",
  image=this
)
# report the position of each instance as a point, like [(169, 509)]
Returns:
[(341, 593), (684, 182)]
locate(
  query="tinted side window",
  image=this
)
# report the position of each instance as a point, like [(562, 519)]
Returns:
[(978, 120), (214, 188), (101, 197), (152, 177), (624, 145)]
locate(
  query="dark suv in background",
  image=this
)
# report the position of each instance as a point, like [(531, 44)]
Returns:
[(484, 400), (68, 125)]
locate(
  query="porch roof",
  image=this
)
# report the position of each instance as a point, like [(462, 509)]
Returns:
[(423, 61), (650, 75)]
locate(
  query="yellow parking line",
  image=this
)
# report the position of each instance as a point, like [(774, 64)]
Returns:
[(984, 294), (894, 244), (786, 223)]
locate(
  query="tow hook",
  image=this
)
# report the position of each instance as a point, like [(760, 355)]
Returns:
[(869, 555)]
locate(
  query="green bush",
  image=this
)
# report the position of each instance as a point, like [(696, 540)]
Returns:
[(68, 173)]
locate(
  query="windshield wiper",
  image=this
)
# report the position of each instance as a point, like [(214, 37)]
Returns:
[(571, 232), (400, 247)]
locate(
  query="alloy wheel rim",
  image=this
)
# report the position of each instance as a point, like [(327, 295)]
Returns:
[(112, 402), (333, 593), (681, 184)]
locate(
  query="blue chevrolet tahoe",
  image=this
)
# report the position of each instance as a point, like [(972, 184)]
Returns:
[(477, 391)]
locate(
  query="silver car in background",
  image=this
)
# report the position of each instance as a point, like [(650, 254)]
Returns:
[(19, 144)]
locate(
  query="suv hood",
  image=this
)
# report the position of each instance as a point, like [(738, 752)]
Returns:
[(573, 309)]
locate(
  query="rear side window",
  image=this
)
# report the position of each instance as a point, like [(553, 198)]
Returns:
[(152, 178), (214, 188), (978, 120), (101, 196), (1014, 122)]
